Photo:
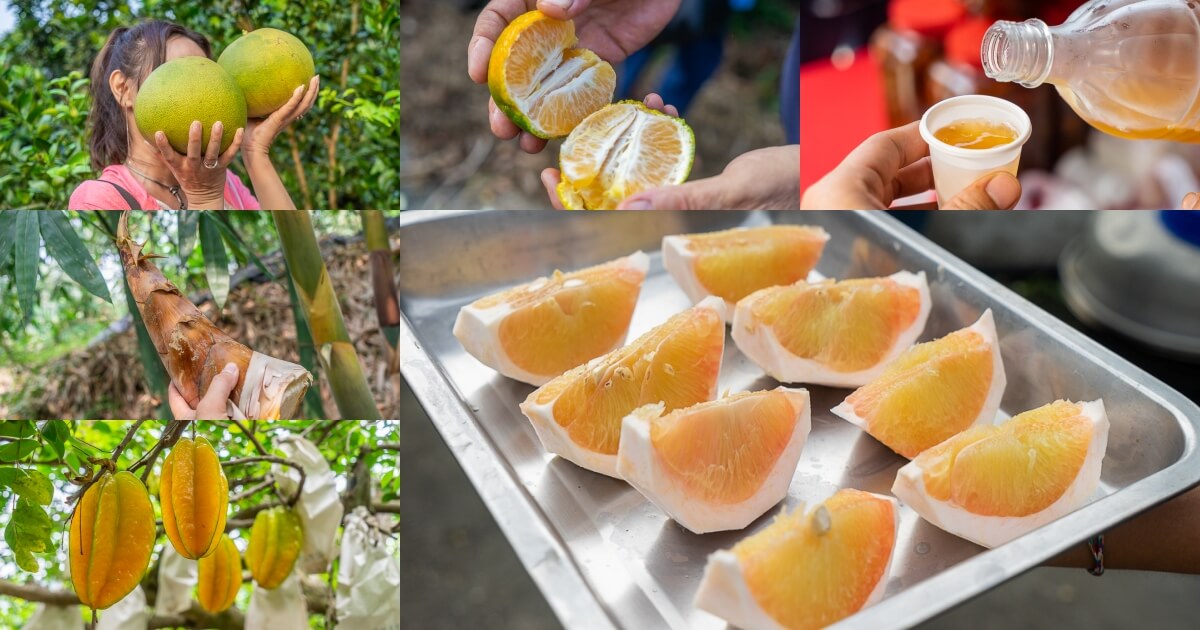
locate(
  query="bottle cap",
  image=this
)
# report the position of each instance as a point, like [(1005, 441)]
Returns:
[(928, 18), (955, 168), (964, 42)]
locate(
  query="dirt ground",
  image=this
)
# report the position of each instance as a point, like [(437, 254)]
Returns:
[(451, 160)]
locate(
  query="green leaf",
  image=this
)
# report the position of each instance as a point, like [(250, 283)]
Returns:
[(29, 483), (8, 233), (64, 246), (187, 234), (216, 259), (239, 244), (28, 533), (18, 450), (28, 247), (17, 428)]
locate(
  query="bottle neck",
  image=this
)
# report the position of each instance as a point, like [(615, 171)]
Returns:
[(1019, 52)]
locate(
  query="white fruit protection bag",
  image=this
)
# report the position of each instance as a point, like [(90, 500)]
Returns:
[(368, 591), (319, 508), (280, 608), (128, 614), (176, 580), (48, 617)]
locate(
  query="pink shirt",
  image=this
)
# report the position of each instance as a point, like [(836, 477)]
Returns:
[(97, 195)]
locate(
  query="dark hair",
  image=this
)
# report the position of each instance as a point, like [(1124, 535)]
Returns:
[(135, 51)]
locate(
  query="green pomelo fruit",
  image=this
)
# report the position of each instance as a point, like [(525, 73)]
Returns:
[(187, 89), (269, 65)]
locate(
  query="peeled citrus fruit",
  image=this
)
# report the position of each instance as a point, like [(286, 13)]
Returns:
[(992, 484), (735, 263), (840, 334), (932, 391), (620, 151), (543, 328), (577, 416), (542, 82), (716, 465), (805, 570)]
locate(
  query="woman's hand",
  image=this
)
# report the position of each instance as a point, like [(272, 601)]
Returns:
[(1191, 202), (261, 132), (214, 404), (895, 164), (613, 29), (201, 177)]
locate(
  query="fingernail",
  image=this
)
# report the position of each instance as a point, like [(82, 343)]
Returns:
[(230, 369), (565, 5), (1005, 190), (637, 204)]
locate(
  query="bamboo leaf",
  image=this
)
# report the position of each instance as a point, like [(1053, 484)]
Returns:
[(239, 245), (8, 233), (64, 246), (186, 224), (156, 374), (28, 248), (216, 259)]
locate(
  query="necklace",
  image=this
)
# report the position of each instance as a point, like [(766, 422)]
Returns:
[(174, 190)]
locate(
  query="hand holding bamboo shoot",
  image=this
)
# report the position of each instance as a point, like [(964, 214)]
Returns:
[(193, 350)]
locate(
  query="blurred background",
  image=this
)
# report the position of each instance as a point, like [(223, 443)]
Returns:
[(871, 65), (719, 61), (1129, 280)]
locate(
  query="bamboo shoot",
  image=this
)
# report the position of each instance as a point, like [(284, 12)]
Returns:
[(193, 350)]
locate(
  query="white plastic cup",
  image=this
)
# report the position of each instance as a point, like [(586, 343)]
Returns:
[(955, 168)]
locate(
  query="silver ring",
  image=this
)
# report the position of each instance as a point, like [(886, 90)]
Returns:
[(212, 164)]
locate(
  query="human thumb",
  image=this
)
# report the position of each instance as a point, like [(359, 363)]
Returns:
[(996, 191), (702, 194), (562, 9), (213, 405)]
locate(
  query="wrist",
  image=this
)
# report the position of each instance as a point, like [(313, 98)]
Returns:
[(213, 199)]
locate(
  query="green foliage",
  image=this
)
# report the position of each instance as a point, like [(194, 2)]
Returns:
[(348, 145)]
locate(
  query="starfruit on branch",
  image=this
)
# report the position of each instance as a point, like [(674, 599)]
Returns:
[(194, 495), (193, 350), (276, 540), (220, 576), (111, 539)]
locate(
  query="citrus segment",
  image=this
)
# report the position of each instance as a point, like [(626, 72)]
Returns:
[(994, 483), (832, 333), (932, 391), (578, 414), (805, 570), (735, 263), (717, 465), (541, 81), (623, 149), (538, 330)]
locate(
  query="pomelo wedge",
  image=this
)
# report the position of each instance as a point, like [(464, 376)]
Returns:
[(621, 150), (992, 484), (932, 391), (840, 334), (805, 570), (538, 330), (717, 465), (578, 415), (542, 82), (735, 263)]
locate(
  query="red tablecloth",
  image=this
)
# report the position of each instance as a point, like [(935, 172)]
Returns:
[(838, 110)]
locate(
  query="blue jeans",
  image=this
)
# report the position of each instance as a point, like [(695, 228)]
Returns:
[(694, 63)]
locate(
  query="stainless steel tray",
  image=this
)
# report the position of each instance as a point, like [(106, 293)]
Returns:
[(606, 558)]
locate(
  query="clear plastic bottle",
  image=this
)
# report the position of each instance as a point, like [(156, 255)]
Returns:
[(1131, 68)]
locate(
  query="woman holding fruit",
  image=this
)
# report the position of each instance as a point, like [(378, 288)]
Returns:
[(138, 174)]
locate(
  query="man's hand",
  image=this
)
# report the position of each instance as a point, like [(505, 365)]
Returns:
[(214, 404)]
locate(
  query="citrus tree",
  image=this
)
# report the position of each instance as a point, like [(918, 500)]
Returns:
[(72, 492), (345, 154)]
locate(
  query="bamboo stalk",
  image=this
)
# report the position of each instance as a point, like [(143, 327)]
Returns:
[(193, 350), (383, 277), (324, 316)]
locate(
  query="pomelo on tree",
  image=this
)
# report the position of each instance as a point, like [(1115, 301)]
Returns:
[(184, 90), (269, 65)]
